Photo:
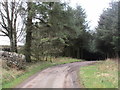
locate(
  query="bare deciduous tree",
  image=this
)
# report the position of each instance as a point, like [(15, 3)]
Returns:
[(9, 12)]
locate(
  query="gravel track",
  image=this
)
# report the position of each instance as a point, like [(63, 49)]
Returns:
[(61, 76)]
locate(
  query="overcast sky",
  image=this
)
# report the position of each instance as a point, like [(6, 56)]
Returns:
[(93, 9)]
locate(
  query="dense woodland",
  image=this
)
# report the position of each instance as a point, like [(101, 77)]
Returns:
[(53, 29)]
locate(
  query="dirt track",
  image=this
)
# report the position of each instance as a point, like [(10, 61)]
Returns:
[(61, 76)]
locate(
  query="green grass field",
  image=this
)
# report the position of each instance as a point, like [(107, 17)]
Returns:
[(12, 77), (100, 75)]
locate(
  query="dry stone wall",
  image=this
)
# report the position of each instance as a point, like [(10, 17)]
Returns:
[(13, 60)]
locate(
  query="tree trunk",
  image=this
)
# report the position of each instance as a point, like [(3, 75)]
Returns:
[(28, 34), (15, 40), (13, 44), (11, 27), (78, 53)]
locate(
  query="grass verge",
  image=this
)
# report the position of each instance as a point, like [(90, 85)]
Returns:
[(12, 78), (100, 75)]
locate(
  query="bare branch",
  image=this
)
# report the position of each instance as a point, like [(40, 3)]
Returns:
[(41, 20), (3, 21), (3, 14), (21, 32), (2, 35), (4, 27), (6, 33)]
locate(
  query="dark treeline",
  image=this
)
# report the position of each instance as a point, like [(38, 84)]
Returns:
[(101, 44), (57, 29)]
